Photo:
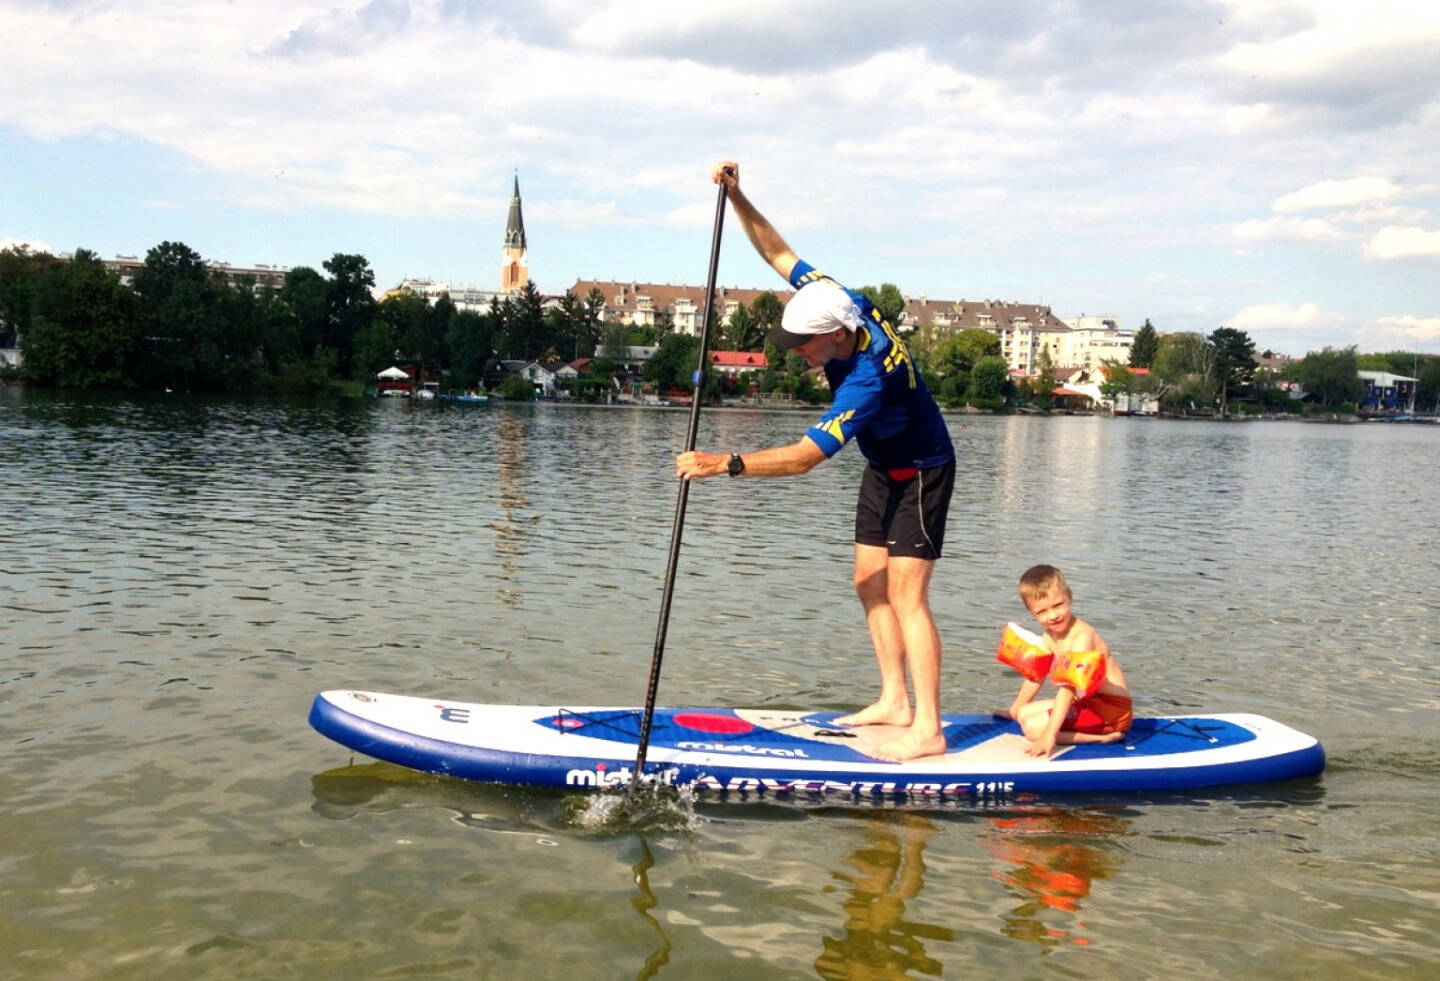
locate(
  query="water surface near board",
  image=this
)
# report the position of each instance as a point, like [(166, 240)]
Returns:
[(180, 576)]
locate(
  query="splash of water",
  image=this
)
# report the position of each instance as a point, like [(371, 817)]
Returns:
[(657, 808)]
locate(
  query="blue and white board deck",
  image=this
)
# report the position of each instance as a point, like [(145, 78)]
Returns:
[(779, 752)]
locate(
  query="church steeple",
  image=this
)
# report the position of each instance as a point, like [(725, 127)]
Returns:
[(514, 268), (515, 227)]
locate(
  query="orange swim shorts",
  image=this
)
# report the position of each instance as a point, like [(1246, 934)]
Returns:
[(1099, 715)]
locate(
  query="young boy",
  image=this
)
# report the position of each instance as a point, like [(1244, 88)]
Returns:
[(1091, 703)]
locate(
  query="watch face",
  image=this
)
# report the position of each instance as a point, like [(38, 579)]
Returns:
[(737, 465)]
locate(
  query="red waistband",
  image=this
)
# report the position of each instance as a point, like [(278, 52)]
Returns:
[(903, 473)]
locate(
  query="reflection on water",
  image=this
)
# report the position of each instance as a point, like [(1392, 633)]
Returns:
[(644, 903), (883, 876), (510, 500), (181, 575), (1056, 854)]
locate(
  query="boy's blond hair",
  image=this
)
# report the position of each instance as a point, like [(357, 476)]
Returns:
[(1040, 581)]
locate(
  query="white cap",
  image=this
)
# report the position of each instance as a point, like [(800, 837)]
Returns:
[(818, 307)]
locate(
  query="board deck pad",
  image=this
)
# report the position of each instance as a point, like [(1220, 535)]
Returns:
[(770, 751)]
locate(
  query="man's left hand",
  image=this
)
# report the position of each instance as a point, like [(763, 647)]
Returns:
[(698, 463)]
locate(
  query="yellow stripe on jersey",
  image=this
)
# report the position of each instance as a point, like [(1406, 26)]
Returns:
[(898, 354), (833, 426)]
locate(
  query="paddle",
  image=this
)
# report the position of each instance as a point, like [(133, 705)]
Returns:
[(679, 526)]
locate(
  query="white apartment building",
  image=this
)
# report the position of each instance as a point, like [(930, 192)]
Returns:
[(1091, 341)]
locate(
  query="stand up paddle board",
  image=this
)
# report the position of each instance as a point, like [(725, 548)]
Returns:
[(779, 752)]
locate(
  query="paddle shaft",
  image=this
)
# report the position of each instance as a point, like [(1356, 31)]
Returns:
[(678, 527)]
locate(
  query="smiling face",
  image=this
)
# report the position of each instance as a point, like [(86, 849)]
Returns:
[(1053, 611)]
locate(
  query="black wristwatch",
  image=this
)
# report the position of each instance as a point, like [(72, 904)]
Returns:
[(736, 466)]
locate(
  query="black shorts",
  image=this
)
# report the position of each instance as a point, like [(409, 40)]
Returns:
[(905, 517)]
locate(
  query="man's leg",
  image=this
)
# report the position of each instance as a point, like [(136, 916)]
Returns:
[(909, 602), (872, 584)]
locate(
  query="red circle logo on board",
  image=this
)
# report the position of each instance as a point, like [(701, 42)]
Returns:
[(727, 725)]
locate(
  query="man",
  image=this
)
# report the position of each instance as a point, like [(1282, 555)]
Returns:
[(881, 402)]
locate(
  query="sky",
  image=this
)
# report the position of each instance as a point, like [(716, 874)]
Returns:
[(1259, 164)]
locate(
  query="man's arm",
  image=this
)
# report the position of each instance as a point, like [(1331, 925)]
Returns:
[(762, 234), (778, 461)]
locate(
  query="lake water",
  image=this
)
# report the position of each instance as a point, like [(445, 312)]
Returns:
[(180, 576)]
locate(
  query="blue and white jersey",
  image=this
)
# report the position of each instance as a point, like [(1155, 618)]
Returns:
[(880, 399)]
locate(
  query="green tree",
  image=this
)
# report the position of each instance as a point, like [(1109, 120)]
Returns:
[(349, 305), (573, 330), (1184, 369), (20, 274), (180, 300), (438, 318), (743, 333), (280, 335), (1119, 380), (674, 361), (241, 312), (85, 327), (766, 311), (471, 341), (373, 347), (888, 300), (1145, 346), (1235, 364), (517, 387), (642, 335), (955, 358), (527, 335), (404, 315), (1427, 389), (305, 294), (989, 381), (1045, 380), (1331, 374)]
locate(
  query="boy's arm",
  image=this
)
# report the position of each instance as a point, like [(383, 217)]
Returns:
[(1059, 708), (1028, 690), (762, 234)]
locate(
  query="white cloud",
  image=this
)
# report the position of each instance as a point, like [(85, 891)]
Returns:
[(34, 245), (1284, 316), (1404, 332), (1395, 242), (1287, 230), (1337, 194), (1042, 149), (1400, 333), (1311, 40)]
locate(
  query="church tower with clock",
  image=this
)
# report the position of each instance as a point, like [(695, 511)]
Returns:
[(514, 267)]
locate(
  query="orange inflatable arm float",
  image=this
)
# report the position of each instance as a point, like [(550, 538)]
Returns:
[(1083, 671), (1024, 652)]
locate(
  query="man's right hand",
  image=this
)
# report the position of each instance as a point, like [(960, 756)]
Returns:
[(726, 172)]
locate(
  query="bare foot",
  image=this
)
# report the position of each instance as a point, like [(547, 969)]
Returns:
[(877, 715), (911, 746), (1086, 737)]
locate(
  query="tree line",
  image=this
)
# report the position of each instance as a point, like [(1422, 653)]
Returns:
[(1187, 370), (181, 325)]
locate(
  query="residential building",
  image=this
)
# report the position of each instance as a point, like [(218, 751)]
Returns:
[(1083, 385), (265, 277), (1092, 341), (648, 304), (732, 364), (1024, 329), (1386, 392)]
